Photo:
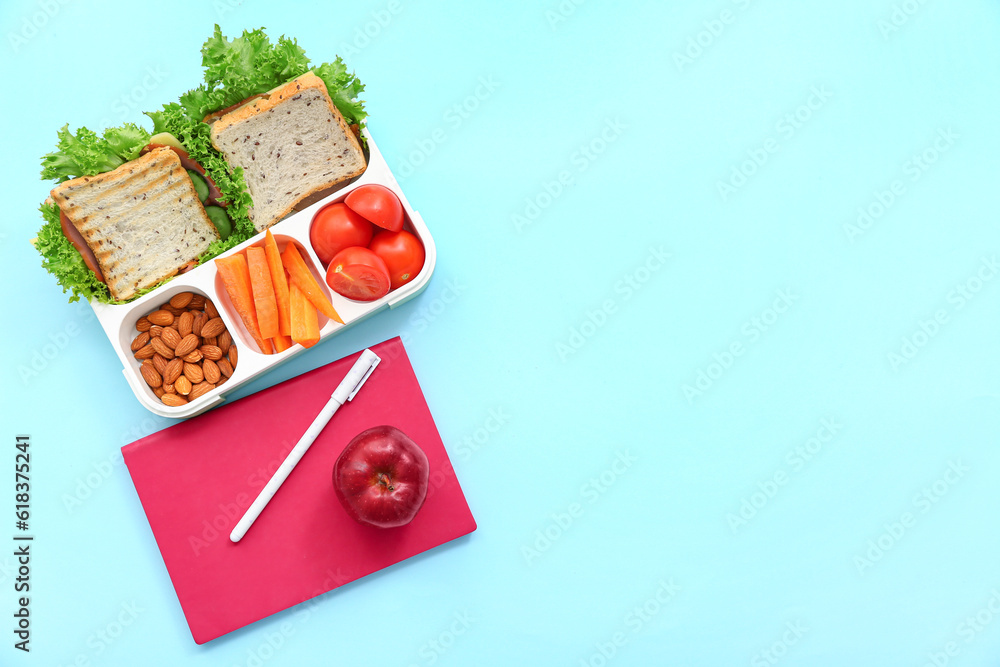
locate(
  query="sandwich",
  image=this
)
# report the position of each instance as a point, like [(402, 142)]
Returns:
[(136, 225), (246, 80), (291, 143)]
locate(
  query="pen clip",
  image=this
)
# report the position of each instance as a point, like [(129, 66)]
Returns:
[(365, 377)]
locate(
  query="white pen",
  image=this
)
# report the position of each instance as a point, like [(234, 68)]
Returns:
[(345, 391)]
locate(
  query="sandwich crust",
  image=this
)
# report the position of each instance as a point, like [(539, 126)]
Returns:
[(289, 147), (143, 221)]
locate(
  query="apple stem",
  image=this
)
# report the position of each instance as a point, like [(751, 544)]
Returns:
[(384, 480)]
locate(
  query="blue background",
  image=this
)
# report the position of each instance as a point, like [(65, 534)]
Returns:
[(631, 510)]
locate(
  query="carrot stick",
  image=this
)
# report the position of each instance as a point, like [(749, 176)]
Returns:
[(282, 343), (300, 276), (236, 278), (263, 292), (305, 323), (280, 283)]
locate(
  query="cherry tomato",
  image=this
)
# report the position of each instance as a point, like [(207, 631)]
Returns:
[(403, 254), (377, 204), (359, 274), (337, 227)]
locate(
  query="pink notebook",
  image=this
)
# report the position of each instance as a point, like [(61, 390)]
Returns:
[(196, 478)]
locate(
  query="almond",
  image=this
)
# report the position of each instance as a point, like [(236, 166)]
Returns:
[(233, 356), (211, 371), (182, 300), (197, 302), (155, 331), (213, 327), (211, 340), (183, 385), (140, 341), (143, 324), (145, 352), (150, 375), (225, 367), (170, 309), (173, 400), (225, 339), (162, 317), (170, 337), (173, 371), (210, 309), (159, 363), (187, 344), (193, 372), (168, 388), (200, 389), (199, 322), (159, 391), (222, 381), (162, 348), (193, 357), (184, 323), (213, 352)]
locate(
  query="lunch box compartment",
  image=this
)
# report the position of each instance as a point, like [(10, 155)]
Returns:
[(225, 303)]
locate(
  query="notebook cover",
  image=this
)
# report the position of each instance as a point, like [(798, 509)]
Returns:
[(196, 478)]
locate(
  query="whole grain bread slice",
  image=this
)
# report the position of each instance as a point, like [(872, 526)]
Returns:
[(291, 143), (143, 220)]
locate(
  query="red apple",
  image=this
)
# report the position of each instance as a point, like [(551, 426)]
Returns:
[(381, 477)]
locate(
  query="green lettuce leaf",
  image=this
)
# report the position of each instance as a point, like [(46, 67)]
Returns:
[(249, 65), (62, 260), (86, 154)]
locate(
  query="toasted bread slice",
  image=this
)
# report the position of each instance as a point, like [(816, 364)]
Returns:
[(143, 220), (290, 144)]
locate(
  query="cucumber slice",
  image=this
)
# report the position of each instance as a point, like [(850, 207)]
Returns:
[(166, 139), (220, 219), (200, 186)]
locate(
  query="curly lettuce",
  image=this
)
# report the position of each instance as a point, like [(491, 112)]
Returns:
[(62, 260), (249, 65), (86, 154)]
